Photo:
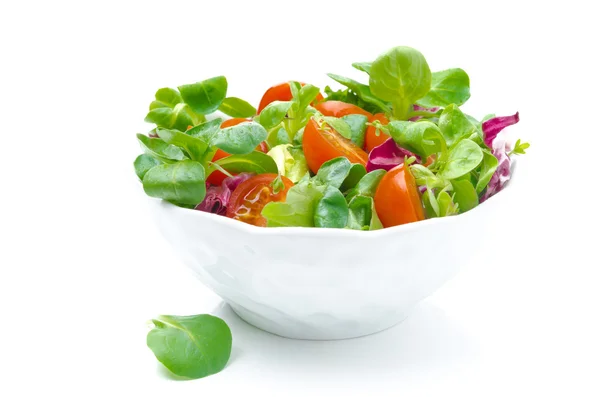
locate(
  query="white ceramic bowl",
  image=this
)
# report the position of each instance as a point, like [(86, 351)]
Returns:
[(311, 283)]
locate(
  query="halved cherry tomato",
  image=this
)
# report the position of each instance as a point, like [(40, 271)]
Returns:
[(249, 198), (429, 160), (323, 144), (217, 177), (233, 121), (371, 138), (339, 109), (397, 199), (279, 92)]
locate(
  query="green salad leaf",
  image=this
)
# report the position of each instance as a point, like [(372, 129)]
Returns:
[(486, 171), (206, 131), (462, 159), (160, 149), (465, 195), (169, 111), (367, 186), (178, 117), (339, 125), (193, 147), (240, 139), (191, 346), (360, 213), (143, 163), (520, 147), (331, 209), (362, 91), (450, 86), (358, 126), (355, 175), (181, 182), (400, 76), (423, 138), (299, 207), (274, 113), (363, 66), (236, 107), (205, 96), (425, 177), (306, 94), (333, 172), (255, 162), (290, 161), (454, 125), (166, 97), (446, 204), (432, 207)]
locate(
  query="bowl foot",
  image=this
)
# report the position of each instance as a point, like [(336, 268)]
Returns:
[(293, 329)]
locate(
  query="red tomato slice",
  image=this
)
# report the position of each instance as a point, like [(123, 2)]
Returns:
[(217, 177), (250, 197), (397, 199), (371, 138), (279, 92), (339, 109), (323, 144)]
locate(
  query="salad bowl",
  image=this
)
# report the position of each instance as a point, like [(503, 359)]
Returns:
[(323, 284)]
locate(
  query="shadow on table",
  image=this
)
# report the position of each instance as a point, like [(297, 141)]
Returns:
[(426, 339)]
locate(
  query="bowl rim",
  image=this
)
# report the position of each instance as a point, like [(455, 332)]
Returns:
[(315, 231), (289, 231)]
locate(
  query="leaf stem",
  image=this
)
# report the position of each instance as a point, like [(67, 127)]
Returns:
[(216, 167)]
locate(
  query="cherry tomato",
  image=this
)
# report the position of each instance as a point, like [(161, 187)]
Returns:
[(279, 92), (339, 109), (371, 138), (397, 199), (249, 198), (429, 160), (217, 177), (323, 144), (233, 121)]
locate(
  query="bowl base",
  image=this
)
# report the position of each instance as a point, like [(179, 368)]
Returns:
[(295, 330)]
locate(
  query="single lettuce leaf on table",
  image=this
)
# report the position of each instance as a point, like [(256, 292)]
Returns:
[(190, 346)]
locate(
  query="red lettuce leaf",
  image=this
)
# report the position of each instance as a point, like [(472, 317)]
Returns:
[(418, 108), (388, 155), (502, 174), (492, 127), (217, 197)]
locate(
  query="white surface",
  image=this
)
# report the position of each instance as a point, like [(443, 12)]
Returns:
[(83, 268)]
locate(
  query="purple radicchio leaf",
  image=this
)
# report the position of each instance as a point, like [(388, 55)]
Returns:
[(418, 108), (502, 173), (492, 127), (217, 197), (388, 155)]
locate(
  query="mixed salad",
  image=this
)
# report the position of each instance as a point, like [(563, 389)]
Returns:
[(370, 156)]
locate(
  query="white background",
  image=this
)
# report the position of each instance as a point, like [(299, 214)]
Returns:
[(83, 267)]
